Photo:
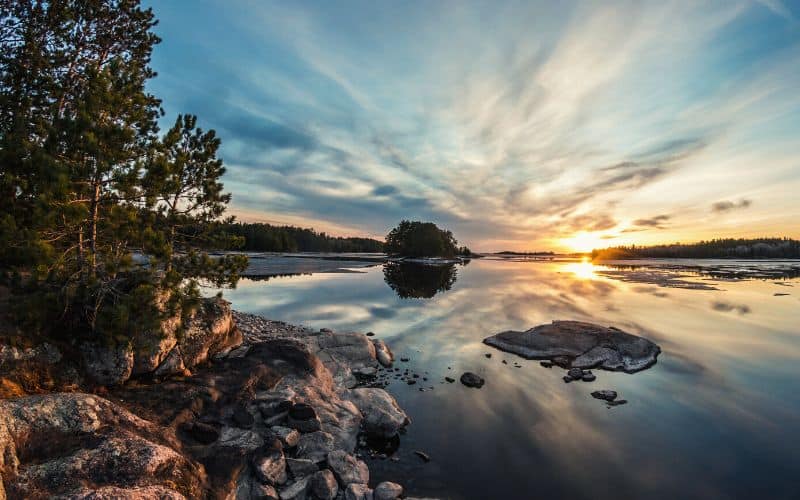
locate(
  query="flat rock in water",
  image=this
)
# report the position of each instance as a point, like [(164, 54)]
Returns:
[(605, 395), (585, 345)]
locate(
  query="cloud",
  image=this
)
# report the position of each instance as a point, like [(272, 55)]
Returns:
[(727, 206), (657, 222), (360, 117)]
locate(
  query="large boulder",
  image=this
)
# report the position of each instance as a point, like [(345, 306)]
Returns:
[(56, 444), (347, 468), (107, 364), (382, 417), (585, 345)]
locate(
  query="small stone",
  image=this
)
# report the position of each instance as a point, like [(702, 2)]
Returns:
[(203, 433), (567, 378), (424, 456), (347, 468), (488, 355), (589, 377), (387, 491), (357, 491), (242, 418), (505, 362), (575, 373), (546, 364), (271, 467), (289, 437), (323, 485), (472, 380), (605, 395), (370, 334), (617, 402), (300, 467), (411, 382), (404, 360), (296, 490)]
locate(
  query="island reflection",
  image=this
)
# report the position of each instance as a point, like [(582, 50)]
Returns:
[(418, 281)]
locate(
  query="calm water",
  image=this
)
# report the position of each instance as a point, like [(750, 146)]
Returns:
[(717, 417)]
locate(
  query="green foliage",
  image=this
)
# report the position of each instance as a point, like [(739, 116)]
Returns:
[(421, 239), (268, 238), (726, 248), (99, 216)]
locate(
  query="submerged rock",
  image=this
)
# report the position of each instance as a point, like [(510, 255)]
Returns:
[(472, 380), (605, 395), (582, 345)]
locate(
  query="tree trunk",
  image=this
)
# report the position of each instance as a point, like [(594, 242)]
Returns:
[(94, 210)]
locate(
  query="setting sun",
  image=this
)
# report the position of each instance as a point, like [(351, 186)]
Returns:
[(583, 242)]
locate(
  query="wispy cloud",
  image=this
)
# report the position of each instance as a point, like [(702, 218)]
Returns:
[(726, 206), (582, 117)]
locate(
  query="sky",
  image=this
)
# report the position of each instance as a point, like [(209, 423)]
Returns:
[(517, 125)]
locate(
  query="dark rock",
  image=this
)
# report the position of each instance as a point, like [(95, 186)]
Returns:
[(472, 380), (411, 382), (450, 379), (358, 491), (546, 364), (605, 395), (588, 377), (302, 411), (584, 345), (575, 373), (323, 485), (617, 402), (242, 417), (300, 467), (202, 433), (370, 334), (488, 355), (404, 360), (288, 436), (387, 491), (270, 467), (567, 379)]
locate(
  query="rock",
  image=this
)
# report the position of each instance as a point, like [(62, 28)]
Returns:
[(383, 354), (155, 492), (424, 456), (567, 378), (617, 402), (584, 345), (370, 334), (387, 491), (202, 433), (107, 365), (347, 468), (241, 417), (304, 418), (90, 447), (450, 379), (300, 467), (289, 437), (488, 355), (546, 364), (323, 485), (358, 491), (297, 490), (472, 380), (270, 466), (588, 377), (172, 364), (208, 331), (575, 373), (382, 416), (233, 437), (605, 395), (259, 491), (315, 446)]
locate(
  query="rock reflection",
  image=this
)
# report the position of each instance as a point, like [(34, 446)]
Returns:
[(418, 281)]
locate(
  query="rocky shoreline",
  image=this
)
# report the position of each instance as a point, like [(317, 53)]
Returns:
[(277, 414)]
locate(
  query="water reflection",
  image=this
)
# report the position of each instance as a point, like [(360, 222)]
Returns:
[(717, 417), (418, 281)]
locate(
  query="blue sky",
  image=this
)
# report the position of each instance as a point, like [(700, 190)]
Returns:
[(518, 125)]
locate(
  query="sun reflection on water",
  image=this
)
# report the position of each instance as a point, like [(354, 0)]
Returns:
[(582, 270)]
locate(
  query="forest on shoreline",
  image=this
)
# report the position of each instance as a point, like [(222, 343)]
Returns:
[(722, 248)]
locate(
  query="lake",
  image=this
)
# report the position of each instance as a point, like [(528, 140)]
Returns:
[(718, 416)]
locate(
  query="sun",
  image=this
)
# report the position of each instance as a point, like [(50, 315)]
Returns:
[(583, 241)]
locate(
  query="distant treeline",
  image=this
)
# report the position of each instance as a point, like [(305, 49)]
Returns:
[(509, 252), (268, 238), (728, 248)]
